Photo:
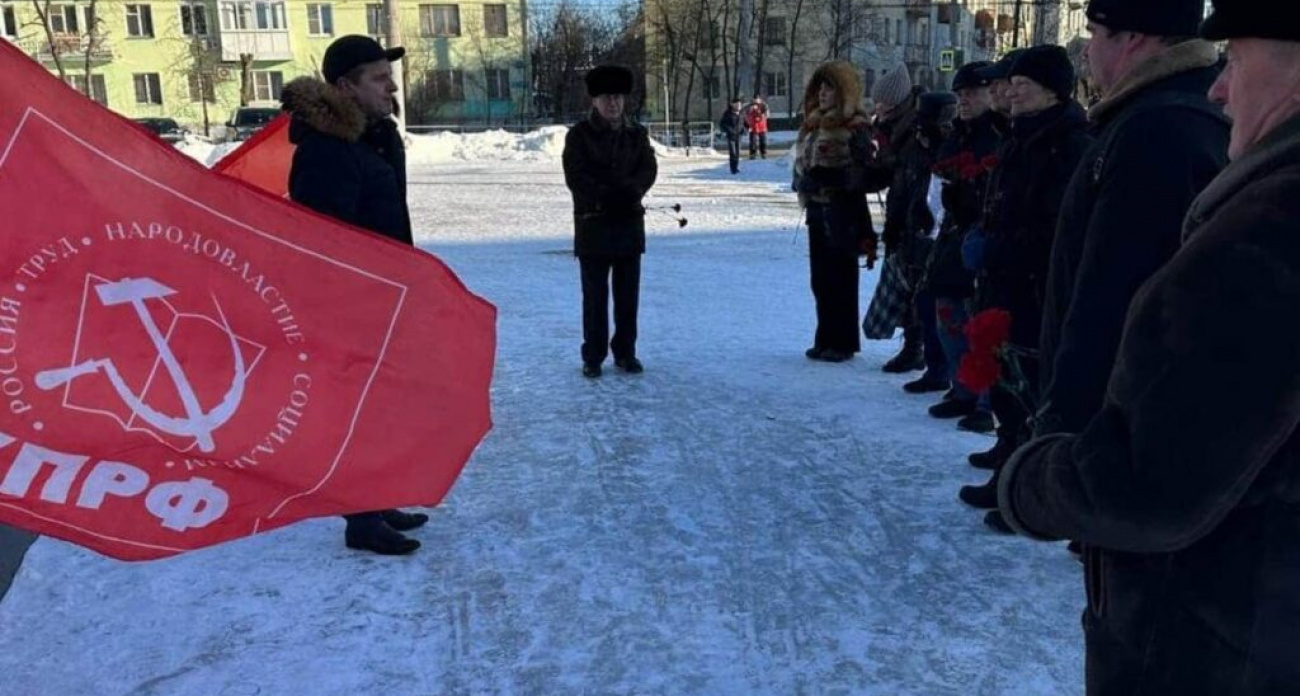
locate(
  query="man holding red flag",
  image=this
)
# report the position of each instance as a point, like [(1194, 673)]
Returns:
[(350, 163)]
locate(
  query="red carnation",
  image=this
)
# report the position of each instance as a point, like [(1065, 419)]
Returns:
[(966, 158), (979, 372), (971, 171), (988, 331), (990, 162)]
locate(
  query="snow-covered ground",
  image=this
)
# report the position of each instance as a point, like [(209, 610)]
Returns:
[(736, 521)]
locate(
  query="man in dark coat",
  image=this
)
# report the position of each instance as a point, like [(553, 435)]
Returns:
[(732, 126), (1188, 478), (609, 166), (965, 161), (1159, 143), (350, 164), (1012, 252)]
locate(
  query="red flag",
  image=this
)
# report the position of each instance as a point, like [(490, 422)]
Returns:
[(185, 359), (264, 159)]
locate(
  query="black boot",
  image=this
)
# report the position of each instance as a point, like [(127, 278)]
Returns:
[(591, 370), (997, 523), (993, 458), (632, 366), (984, 497), (369, 533), (404, 521), (977, 421), (912, 355), (952, 408), (927, 384)]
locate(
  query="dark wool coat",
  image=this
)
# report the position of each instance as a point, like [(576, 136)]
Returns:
[(343, 166), (963, 203), (732, 124), (1188, 479), (608, 170), (1021, 211), (885, 170), (1160, 142)]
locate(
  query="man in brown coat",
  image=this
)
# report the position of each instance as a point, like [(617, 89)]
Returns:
[(1188, 479)]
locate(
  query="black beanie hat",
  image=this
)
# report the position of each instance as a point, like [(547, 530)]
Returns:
[(1154, 17), (609, 79), (1049, 66), (936, 107), (970, 75), (1001, 70), (1253, 19)]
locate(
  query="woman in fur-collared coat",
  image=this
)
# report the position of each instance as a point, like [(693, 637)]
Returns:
[(833, 146)]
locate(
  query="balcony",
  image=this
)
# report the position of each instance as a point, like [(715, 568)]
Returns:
[(919, 8), (261, 44), (70, 48)]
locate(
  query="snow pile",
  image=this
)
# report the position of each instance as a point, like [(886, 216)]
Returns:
[(497, 145)]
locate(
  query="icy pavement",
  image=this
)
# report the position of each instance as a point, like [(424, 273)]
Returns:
[(736, 521)]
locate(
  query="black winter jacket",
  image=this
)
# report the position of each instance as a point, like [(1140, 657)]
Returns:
[(732, 124), (608, 170), (343, 166), (1122, 221), (963, 203), (1021, 211), (1188, 478)]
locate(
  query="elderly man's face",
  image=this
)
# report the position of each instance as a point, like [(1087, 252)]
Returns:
[(1260, 89)]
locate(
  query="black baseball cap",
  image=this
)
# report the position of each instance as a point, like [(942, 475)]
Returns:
[(350, 51)]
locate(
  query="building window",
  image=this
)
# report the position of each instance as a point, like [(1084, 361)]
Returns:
[(495, 24), (139, 21), (320, 19), (498, 85), (8, 23), (267, 84), (440, 20), (713, 87), (774, 84), (244, 15), (898, 32), (97, 91), (148, 88), (201, 87), (63, 19), (194, 20), (774, 33), (375, 20), (448, 85)]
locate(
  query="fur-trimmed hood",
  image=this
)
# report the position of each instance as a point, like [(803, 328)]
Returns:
[(323, 108), (844, 77)]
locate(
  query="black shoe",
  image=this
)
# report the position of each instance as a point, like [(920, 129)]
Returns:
[(952, 408), (984, 497), (977, 421), (591, 370), (404, 521), (373, 535), (927, 384), (834, 356), (814, 353), (991, 459), (997, 523), (632, 366), (1076, 549)]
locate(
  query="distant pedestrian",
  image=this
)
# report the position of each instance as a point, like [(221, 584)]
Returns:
[(732, 126), (609, 166), (756, 121)]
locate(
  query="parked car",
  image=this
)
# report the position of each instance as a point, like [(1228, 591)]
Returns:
[(247, 120), (166, 128)]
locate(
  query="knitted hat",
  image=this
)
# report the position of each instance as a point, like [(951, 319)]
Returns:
[(1253, 19), (609, 79), (1154, 17), (969, 75), (894, 88), (1049, 66)]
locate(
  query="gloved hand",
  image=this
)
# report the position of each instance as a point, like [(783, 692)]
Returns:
[(972, 249), (951, 197), (624, 200)]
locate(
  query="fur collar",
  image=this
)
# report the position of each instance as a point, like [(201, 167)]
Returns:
[(1190, 55), (324, 108), (1278, 150)]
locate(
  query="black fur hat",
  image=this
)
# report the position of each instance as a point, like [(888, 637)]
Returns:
[(609, 79)]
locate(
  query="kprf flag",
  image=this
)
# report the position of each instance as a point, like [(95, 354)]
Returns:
[(264, 159), (186, 359)]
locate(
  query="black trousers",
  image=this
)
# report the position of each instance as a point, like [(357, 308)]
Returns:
[(1013, 415), (757, 144), (733, 151), (834, 270), (596, 274)]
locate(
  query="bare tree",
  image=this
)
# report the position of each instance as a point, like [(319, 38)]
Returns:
[(69, 38)]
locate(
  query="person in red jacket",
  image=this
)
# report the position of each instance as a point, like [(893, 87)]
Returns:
[(756, 122)]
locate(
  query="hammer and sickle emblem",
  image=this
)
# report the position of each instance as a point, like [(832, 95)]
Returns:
[(196, 423)]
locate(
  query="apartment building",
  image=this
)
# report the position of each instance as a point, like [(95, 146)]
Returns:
[(185, 59)]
